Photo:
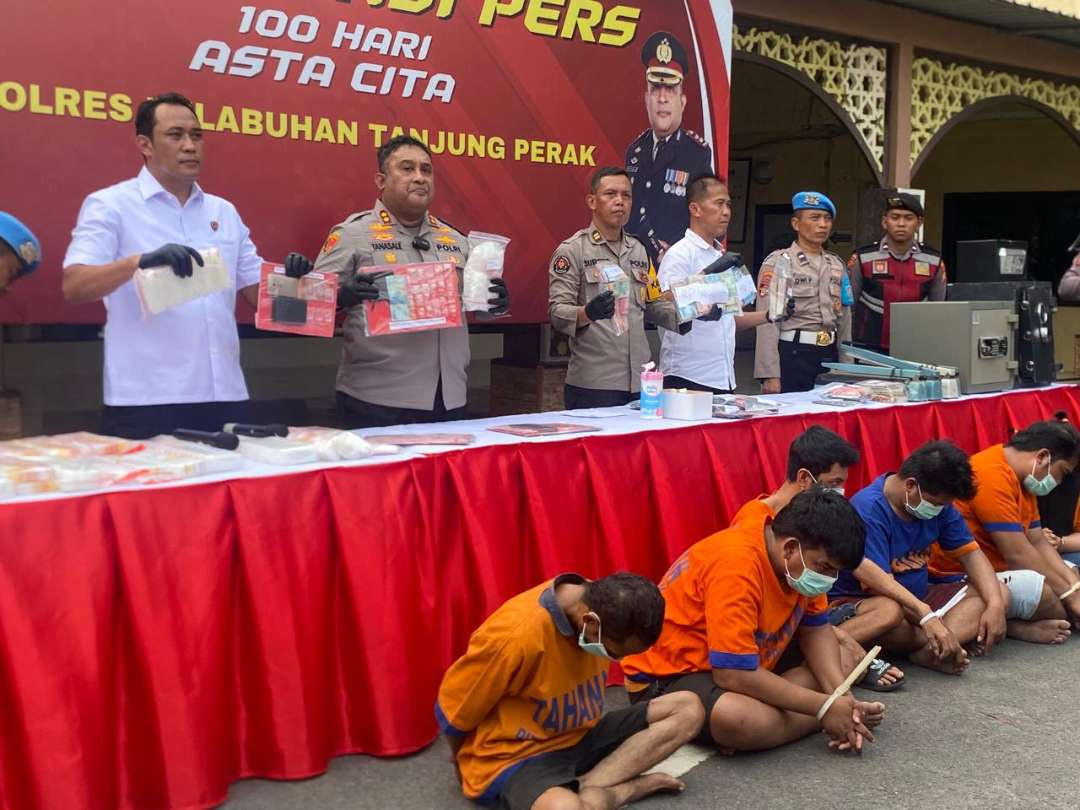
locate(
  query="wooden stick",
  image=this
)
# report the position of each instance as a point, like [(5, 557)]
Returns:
[(856, 673)]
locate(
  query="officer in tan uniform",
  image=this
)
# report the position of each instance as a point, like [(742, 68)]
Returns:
[(414, 376), (789, 357), (605, 366)]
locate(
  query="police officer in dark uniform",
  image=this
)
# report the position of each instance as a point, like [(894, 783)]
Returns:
[(663, 159), (898, 268)]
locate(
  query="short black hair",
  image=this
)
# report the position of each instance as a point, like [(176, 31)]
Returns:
[(823, 519), (941, 468), (699, 187), (1060, 438), (144, 116), (606, 171), (382, 155), (629, 606), (817, 449)]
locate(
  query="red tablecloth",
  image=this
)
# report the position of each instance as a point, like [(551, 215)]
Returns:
[(156, 646)]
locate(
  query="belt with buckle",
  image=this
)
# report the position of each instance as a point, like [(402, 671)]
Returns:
[(823, 338)]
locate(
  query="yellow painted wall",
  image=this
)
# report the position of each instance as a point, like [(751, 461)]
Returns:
[(1015, 154)]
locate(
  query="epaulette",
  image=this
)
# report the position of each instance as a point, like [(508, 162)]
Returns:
[(925, 248), (437, 223), (697, 138), (873, 247), (358, 215), (576, 235)]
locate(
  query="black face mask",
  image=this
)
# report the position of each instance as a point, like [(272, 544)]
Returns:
[(421, 244)]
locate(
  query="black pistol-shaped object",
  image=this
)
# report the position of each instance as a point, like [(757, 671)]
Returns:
[(256, 431), (725, 262), (226, 441)]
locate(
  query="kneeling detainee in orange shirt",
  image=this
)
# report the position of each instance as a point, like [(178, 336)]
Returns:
[(735, 601), (523, 708)]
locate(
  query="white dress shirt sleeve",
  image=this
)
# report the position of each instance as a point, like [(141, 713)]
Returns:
[(96, 237), (248, 262)]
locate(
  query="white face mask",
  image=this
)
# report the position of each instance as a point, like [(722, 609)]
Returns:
[(1040, 486), (810, 582), (593, 647)]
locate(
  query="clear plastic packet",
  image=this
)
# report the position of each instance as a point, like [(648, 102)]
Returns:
[(299, 306), (161, 462), (23, 477), (159, 288), (334, 445), (68, 445), (73, 475), (276, 450), (780, 290), (731, 290), (617, 282), (418, 297), (487, 254)]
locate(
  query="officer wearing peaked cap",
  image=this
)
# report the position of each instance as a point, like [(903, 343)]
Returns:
[(665, 158), (20, 250), (789, 357), (899, 268)]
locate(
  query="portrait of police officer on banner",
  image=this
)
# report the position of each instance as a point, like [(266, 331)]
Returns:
[(665, 158)]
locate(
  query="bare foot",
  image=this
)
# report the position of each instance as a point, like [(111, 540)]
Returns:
[(649, 784), (1045, 631), (872, 713), (974, 649), (950, 666)]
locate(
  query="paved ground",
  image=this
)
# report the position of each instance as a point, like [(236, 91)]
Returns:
[(1006, 735)]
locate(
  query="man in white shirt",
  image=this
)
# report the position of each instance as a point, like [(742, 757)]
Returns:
[(180, 367), (704, 358)]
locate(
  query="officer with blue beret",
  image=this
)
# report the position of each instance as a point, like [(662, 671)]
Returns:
[(664, 159), (788, 356), (20, 250)]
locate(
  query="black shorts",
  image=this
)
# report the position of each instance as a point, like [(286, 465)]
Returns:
[(700, 683), (562, 768)]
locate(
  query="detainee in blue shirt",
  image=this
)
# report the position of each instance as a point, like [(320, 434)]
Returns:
[(888, 599)]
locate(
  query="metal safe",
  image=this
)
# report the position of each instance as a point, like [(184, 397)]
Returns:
[(976, 337)]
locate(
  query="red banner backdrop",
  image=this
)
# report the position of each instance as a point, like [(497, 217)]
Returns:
[(155, 646), (520, 99)]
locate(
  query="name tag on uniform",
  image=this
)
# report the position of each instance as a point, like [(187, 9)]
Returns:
[(881, 267), (922, 268)]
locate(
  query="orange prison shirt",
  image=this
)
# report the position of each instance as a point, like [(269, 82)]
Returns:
[(523, 687), (725, 609), (755, 512), (1001, 504)]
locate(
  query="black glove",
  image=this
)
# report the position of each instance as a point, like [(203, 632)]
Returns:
[(499, 302), (789, 310), (178, 257), (714, 314), (297, 265), (725, 262), (601, 307), (360, 287)]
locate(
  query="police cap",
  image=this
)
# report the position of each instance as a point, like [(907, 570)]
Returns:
[(665, 59), (22, 242), (902, 201), (813, 200)]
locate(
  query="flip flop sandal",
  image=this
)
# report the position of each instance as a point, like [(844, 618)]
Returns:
[(874, 673)]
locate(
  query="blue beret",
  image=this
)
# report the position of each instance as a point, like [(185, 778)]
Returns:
[(813, 200), (21, 241)]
